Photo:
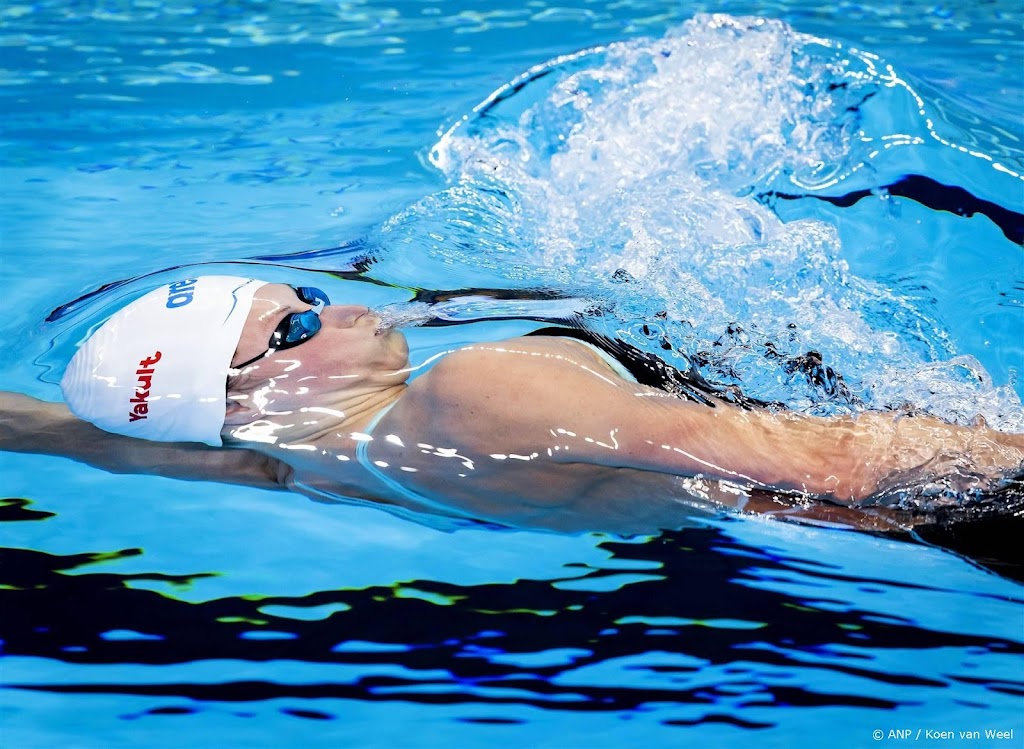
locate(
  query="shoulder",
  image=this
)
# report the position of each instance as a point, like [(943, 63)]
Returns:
[(521, 380), (515, 395), (470, 377), (522, 359)]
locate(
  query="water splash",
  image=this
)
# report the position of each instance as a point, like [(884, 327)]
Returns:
[(402, 315), (639, 174)]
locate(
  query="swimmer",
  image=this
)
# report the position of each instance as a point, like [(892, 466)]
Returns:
[(541, 431)]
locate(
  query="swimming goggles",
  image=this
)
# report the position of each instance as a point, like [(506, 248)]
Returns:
[(297, 327)]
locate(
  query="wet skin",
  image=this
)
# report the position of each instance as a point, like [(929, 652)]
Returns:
[(541, 432), (533, 432)]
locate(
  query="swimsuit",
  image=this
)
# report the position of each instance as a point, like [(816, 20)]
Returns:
[(363, 458)]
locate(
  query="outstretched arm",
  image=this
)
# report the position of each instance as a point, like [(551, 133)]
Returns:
[(29, 425), (548, 392)]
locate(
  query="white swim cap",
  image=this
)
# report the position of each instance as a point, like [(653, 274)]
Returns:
[(157, 369)]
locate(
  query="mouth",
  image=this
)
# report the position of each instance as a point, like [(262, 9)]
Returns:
[(381, 325)]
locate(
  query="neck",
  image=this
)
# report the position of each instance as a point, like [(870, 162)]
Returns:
[(360, 410), (320, 424)]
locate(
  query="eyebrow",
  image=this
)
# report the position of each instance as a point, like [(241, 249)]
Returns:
[(275, 321), (283, 304)]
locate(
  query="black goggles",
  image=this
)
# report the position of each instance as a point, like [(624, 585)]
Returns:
[(297, 327)]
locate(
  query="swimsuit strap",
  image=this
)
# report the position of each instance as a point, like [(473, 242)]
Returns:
[(611, 361), (374, 422), (374, 467)]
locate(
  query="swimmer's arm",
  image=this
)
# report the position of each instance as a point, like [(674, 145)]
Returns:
[(28, 425), (531, 398), (843, 459)]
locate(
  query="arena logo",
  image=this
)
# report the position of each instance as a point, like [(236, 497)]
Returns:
[(141, 400), (180, 293)]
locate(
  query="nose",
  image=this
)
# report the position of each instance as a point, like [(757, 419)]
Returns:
[(342, 315)]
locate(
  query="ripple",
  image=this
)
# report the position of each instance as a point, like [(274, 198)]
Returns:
[(192, 72)]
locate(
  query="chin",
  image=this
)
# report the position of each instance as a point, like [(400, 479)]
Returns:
[(403, 344), (396, 341)]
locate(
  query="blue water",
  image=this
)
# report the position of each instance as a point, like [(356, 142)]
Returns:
[(691, 167)]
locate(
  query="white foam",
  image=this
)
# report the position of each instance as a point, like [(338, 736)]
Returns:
[(643, 159)]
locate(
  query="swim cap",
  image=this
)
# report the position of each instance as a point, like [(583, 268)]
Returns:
[(157, 369)]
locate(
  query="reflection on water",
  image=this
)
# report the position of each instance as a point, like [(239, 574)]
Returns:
[(689, 618)]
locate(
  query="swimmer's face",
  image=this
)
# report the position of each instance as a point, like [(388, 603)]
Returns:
[(349, 348)]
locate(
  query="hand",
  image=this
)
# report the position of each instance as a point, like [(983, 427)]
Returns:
[(933, 458)]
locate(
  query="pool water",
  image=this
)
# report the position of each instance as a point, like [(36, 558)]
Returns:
[(843, 179)]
